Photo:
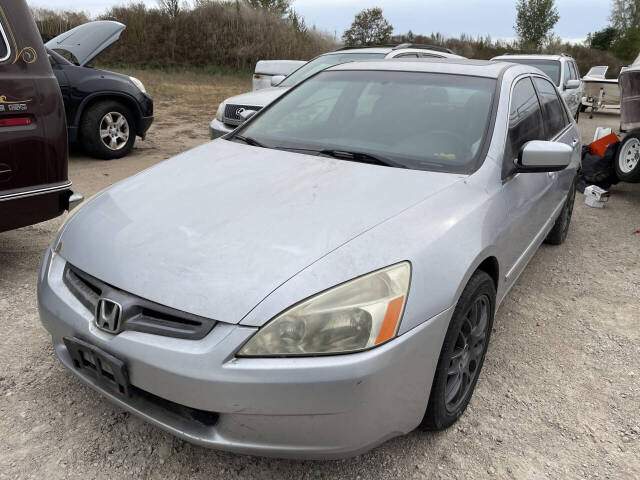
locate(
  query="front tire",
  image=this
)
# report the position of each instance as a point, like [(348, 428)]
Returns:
[(108, 130), (627, 161), (462, 355), (558, 233)]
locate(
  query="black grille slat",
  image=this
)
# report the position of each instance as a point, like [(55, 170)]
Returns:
[(138, 314), (231, 112)]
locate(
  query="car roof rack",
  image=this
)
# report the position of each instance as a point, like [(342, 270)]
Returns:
[(422, 46), (354, 47)]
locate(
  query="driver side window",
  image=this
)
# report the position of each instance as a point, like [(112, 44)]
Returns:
[(525, 123)]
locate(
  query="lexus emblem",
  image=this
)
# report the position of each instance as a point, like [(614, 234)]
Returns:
[(108, 315), (239, 112)]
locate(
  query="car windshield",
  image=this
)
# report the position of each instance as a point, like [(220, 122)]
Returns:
[(550, 67), (416, 120), (325, 61)]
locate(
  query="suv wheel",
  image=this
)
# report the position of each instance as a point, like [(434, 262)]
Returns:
[(108, 130), (627, 162), (462, 355)]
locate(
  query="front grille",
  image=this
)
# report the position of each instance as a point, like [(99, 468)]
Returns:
[(232, 116), (137, 314)]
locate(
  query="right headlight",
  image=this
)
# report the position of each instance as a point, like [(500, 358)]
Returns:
[(220, 112), (355, 316)]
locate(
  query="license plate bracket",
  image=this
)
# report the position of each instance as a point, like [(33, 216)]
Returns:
[(107, 370)]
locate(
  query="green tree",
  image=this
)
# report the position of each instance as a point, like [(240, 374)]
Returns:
[(297, 22), (279, 7), (603, 39), (627, 46), (625, 14), (535, 21), (368, 28)]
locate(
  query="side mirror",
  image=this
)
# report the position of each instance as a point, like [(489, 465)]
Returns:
[(541, 156), (246, 114), (276, 79), (572, 84)]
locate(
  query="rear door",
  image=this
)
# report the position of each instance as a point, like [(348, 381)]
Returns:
[(33, 141), (558, 128)]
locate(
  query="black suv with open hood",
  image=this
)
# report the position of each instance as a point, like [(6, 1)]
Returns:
[(105, 110)]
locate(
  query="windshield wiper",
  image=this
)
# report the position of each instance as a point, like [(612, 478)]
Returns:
[(361, 157), (250, 141)]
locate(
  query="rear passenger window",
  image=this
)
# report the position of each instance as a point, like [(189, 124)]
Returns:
[(408, 55), (525, 122), (553, 112), (567, 74), (574, 73), (4, 47)]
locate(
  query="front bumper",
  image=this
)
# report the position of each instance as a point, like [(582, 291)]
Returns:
[(144, 124), (217, 129), (37, 204), (321, 407)]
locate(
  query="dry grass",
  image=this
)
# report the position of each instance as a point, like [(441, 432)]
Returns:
[(190, 87)]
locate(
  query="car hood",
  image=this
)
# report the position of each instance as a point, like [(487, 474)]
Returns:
[(87, 41), (258, 98), (215, 230)]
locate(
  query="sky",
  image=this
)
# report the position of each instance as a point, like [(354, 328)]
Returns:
[(449, 17)]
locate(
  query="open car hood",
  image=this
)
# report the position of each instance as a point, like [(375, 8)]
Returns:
[(87, 41)]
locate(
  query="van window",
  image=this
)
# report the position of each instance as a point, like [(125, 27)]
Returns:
[(525, 122), (553, 111), (4, 46)]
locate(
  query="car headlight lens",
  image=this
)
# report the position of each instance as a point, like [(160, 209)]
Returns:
[(355, 316), (138, 84), (220, 112)]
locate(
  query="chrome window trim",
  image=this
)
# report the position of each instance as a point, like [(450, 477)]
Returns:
[(38, 191), (3, 35)]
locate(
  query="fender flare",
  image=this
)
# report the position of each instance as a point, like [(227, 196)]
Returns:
[(108, 94), (488, 254)]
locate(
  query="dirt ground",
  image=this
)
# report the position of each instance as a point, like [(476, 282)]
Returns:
[(559, 395)]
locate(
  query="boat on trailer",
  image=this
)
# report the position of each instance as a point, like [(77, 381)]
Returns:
[(600, 92)]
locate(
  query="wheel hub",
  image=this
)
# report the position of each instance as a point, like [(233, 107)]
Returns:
[(630, 156), (114, 130)]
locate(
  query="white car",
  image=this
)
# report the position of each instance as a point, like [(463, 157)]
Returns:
[(562, 69), (234, 110), (266, 70)]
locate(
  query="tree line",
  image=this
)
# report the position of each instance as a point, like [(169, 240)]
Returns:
[(235, 34), (229, 34)]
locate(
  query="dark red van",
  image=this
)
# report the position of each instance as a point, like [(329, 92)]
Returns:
[(34, 185)]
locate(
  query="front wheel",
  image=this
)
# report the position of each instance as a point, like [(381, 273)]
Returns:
[(627, 161), (462, 354), (108, 130)]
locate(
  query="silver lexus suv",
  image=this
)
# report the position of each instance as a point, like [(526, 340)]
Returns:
[(562, 69), (235, 110)]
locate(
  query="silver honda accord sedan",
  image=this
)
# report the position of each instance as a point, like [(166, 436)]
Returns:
[(325, 277)]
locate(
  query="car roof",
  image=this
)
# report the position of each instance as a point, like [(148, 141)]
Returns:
[(506, 58), (458, 66)]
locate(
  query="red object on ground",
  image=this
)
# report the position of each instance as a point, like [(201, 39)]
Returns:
[(600, 146)]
